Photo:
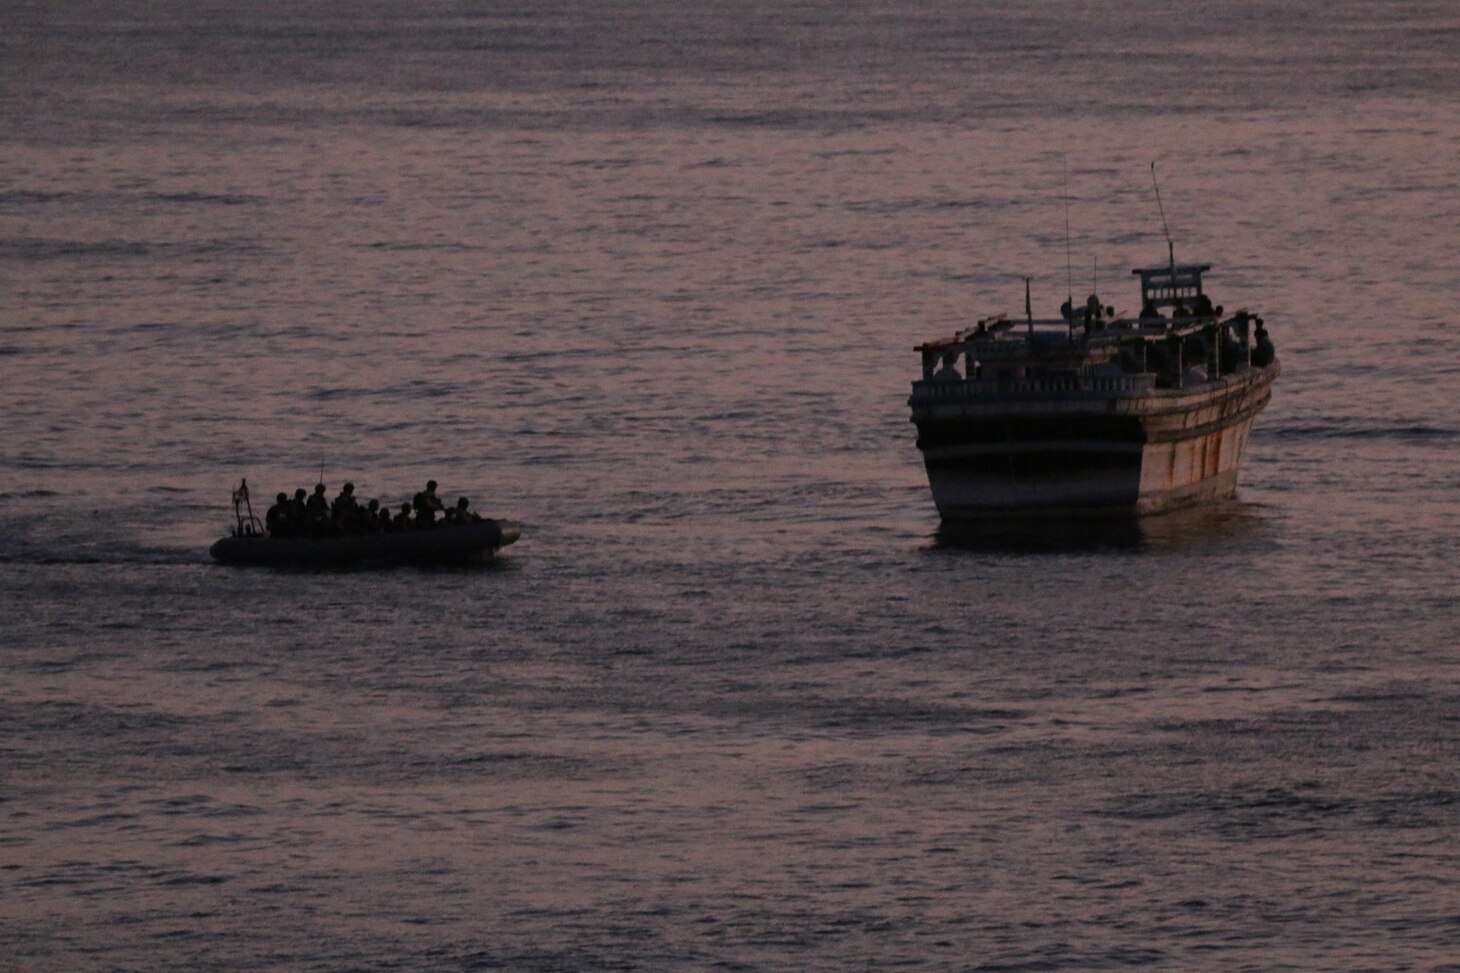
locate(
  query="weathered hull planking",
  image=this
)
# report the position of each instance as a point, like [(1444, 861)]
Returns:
[(1083, 453)]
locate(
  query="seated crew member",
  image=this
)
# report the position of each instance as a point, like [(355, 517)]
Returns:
[(1149, 312), (298, 511), (368, 519), (402, 520), (462, 514), (385, 523), (277, 519), (343, 510), (317, 508)]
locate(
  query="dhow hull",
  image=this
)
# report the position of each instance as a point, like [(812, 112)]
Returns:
[(1088, 453)]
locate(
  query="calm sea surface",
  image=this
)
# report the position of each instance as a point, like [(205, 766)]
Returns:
[(646, 277)]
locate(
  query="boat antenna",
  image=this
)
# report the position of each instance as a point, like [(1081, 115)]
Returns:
[(1170, 248), (1069, 273), (1028, 308), (321, 470)]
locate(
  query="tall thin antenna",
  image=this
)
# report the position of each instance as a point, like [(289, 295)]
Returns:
[(1028, 308), (1170, 248), (1069, 271)]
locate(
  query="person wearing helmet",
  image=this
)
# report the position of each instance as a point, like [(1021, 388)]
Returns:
[(277, 519), (428, 505)]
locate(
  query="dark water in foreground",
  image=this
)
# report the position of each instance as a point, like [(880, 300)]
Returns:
[(647, 279)]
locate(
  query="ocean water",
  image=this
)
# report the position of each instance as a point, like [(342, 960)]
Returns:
[(646, 277)]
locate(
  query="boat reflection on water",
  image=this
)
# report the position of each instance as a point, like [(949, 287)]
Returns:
[(1223, 524)]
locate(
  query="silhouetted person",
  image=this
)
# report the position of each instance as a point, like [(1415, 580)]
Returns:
[(949, 372), (428, 505), (277, 519), (1263, 352), (344, 508), (1229, 352), (402, 520), (318, 505), (368, 519), (464, 515), (298, 511)]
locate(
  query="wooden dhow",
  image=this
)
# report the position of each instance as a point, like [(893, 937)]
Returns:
[(1094, 413)]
